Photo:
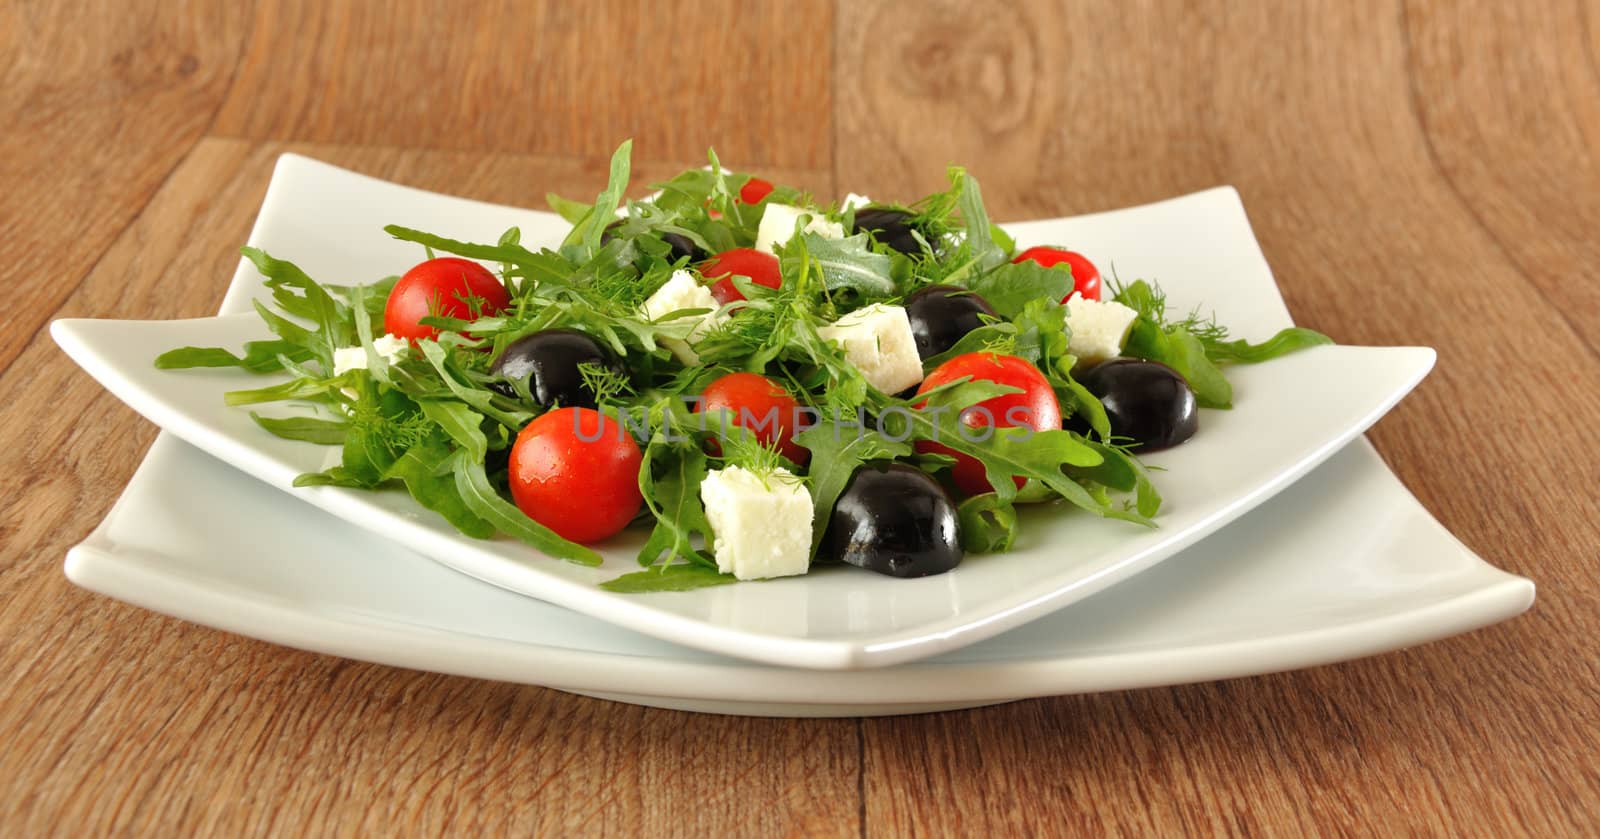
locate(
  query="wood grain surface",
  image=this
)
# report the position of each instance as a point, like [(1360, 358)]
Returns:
[(1417, 173)]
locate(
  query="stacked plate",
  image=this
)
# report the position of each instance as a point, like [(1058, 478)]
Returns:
[(1284, 541)]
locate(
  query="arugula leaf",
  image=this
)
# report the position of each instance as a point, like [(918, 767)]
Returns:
[(980, 236), (678, 577), (988, 525), (426, 471), (480, 497), (505, 253), (844, 263), (301, 296), (586, 235), (323, 432), (669, 479), (461, 423), (1120, 471), (1243, 352), (259, 356), (292, 389), (837, 451), (1177, 348), (1010, 287), (480, 399), (572, 211), (1196, 348), (1008, 452)]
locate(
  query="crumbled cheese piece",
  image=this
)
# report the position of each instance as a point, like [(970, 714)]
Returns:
[(877, 340), (854, 201), (355, 358), (761, 526), (1098, 328), (778, 221), (682, 291)]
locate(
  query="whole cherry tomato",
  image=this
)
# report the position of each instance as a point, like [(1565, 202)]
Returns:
[(760, 405), (761, 267), (449, 287), (576, 472), (1085, 277), (1035, 407)]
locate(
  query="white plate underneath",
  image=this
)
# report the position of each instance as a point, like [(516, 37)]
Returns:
[(1343, 564)]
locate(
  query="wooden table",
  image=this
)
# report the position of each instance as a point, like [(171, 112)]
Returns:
[(1418, 173)]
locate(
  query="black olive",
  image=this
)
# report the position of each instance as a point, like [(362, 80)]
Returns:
[(680, 244), (1145, 400), (891, 227), (897, 520), (682, 247), (941, 314), (548, 361)]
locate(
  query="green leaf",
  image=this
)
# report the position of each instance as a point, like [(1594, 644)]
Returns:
[(1010, 287), (259, 356), (980, 236), (1008, 452), (301, 296), (1183, 352), (848, 263), (507, 254), (292, 389), (587, 235), (669, 479), (837, 451), (481, 498), (572, 211), (1121, 472), (323, 432), (478, 398), (988, 525), (678, 577), (461, 423), (426, 471), (1286, 341)]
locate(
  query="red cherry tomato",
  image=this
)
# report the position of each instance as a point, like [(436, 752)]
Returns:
[(761, 405), (754, 190), (1035, 407), (576, 472), (448, 287), (1085, 277), (761, 267)]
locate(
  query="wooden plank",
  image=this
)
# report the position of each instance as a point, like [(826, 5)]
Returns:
[(1310, 112), (99, 108), (552, 78), (119, 720), (1534, 85)]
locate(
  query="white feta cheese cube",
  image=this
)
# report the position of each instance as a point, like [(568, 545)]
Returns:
[(778, 221), (355, 358), (877, 340), (681, 292), (855, 201), (1098, 328), (760, 525)]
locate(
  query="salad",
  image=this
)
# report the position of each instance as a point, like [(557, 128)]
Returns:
[(760, 382)]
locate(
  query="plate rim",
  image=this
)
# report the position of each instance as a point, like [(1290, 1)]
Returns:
[(94, 564)]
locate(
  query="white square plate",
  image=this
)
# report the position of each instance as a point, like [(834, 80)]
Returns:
[(1290, 415)]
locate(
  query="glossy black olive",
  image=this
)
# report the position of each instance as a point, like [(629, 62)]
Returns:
[(891, 227), (549, 361), (680, 244), (1145, 400), (894, 519), (941, 315)]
